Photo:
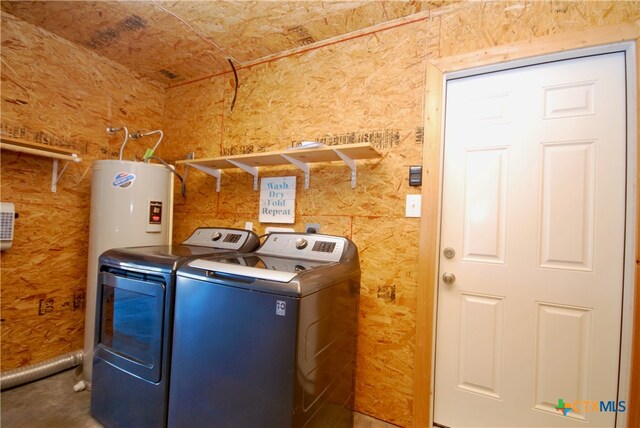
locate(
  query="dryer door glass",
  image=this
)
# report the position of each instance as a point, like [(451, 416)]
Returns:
[(128, 321), (131, 318)]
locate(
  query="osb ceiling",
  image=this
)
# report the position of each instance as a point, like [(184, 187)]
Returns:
[(180, 41)]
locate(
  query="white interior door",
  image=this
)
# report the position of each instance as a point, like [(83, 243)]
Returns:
[(534, 210)]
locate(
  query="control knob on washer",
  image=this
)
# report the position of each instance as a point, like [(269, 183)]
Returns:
[(301, 243), (216, 236)]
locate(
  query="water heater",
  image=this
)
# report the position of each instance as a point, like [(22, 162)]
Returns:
[(131, 205)]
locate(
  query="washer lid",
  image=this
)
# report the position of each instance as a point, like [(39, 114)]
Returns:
[(164, 258), (270, 268), (203, 242)]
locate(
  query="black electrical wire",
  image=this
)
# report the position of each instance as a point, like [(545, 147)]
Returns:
[(235, 94)]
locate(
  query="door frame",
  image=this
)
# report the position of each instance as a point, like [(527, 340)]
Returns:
[(606, 39)]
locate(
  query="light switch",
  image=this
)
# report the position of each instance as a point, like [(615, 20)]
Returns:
[(414, 203)]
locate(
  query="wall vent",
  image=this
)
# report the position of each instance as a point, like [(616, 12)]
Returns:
[(7, 216)]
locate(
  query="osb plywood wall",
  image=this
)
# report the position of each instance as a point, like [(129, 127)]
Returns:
[(369, 88), (471, 27), (366, 88), (55, 92)]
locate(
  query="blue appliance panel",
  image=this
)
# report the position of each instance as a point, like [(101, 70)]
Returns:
[(226, 338)]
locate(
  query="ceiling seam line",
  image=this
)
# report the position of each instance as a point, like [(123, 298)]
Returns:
[(290, 53), (198, 33), (328, 42)]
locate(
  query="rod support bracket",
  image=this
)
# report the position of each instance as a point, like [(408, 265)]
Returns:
[(250, 169), (217, 173), (302, 166), (55, 177), (351, 164)]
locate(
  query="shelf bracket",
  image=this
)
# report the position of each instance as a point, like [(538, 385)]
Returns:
[(55, 177), (303, 166), (211, 171), (351, 164), (250, 169)]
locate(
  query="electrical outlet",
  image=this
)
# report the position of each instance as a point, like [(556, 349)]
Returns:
[(412, 208), (190, 155), (312, 228)]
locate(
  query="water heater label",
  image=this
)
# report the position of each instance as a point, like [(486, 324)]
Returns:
[(123, 180), (155, 212), (281, 308)]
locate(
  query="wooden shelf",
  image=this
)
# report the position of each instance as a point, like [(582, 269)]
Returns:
[(54, 152), (301, 158), (23, 146)]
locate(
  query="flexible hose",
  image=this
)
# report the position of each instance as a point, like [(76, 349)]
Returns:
[(126, 137), (15, 377), (159, 139), (183, 184), (157, 131)]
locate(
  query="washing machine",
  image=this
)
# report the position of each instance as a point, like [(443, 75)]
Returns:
[(267, 339), (134, 318)]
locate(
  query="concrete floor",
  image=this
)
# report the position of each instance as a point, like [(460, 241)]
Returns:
[(52, 403)]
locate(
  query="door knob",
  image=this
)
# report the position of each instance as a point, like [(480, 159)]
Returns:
[(448, 278), (449, 252)]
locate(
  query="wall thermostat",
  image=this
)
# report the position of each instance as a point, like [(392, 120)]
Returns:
[(415, 175)]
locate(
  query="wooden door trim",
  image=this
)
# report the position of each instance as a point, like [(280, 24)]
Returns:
[(436, 72)]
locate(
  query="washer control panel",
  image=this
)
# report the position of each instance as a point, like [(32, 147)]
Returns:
[(215, 237), (305, 246)]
